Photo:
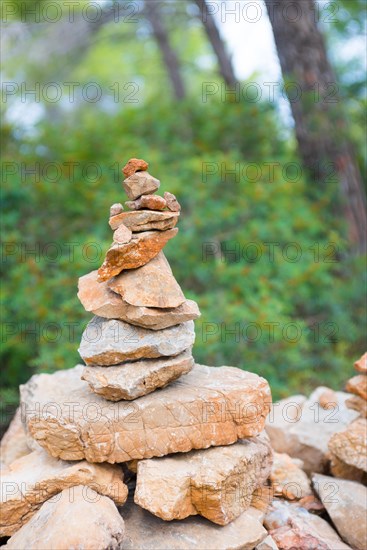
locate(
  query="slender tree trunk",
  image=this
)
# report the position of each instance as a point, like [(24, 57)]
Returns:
[(224, 60), (319, 122), (170, 58)]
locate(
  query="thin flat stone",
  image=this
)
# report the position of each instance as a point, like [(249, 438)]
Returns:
[(207, 407), (134, 379), (100, 300), (152, 285), (110, 342), (145, 220), (142, 248)]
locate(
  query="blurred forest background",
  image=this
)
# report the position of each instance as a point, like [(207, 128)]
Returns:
[(298, 319)]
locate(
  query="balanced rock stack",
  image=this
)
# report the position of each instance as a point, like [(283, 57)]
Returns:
[(139, 398), (143, 330)]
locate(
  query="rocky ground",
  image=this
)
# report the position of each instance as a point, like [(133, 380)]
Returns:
[(142, 448)]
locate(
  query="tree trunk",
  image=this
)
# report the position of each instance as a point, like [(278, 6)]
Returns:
[(224, 60), (319, 121), (169, 55)]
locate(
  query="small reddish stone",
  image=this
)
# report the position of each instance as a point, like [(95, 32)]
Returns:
[(151, 202), (134, 165), (172, 202)]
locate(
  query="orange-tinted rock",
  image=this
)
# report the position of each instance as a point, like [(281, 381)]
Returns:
[(134, 379), (152, 285), (350, 446), (141, 183), (134, 165), (108, 342), (172, 202), (312, 504), (145, 220), (217, 483), (77, 518), (122, 235), (36, 477), (14, 442), (116, 209), (358, 385), (209, 406), (357, 404), (361, 364), (151, 202), (142, 248), (328, 399), (288, 479), (293, 528)]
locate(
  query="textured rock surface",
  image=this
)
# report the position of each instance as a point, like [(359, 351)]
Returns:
[(208, 406), (357, 404), (217, 483), (134, 165), (288, 479), (145, 220), (34, 478), (350, 446), (14, 441), (151, 202), (140, 183), (145, 531), (303, 430), (116, 209), (152, 285), (132, 380), (346, 504), (172, 202), (78, 519), (293, 528), (99, 299), (110, 342), (142, 248), (358, 385), (122, 235), (361, 364)]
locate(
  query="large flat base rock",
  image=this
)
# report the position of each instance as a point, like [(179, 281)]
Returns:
[(147, 532), (207, 407), (134, 379)]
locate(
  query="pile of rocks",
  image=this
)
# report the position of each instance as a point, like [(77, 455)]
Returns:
[(188, 439)]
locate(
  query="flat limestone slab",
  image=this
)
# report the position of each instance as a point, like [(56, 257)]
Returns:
[(110, 342), (207, 407), (147, 532), (134, 379), (145, 220), (217, 483)]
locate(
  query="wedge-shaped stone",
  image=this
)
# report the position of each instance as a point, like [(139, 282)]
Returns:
[(122, 235), (142, 248), (217, 483), (108, 342), (209, 406), (346, 504), (287, 478), (358, 385), (99, 299), (145, 531), (134, 379), (350, 446), (145, 220), (77, 518), (361, 364), (140, 183), (152, 285), (36, 477), (14, 441)]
